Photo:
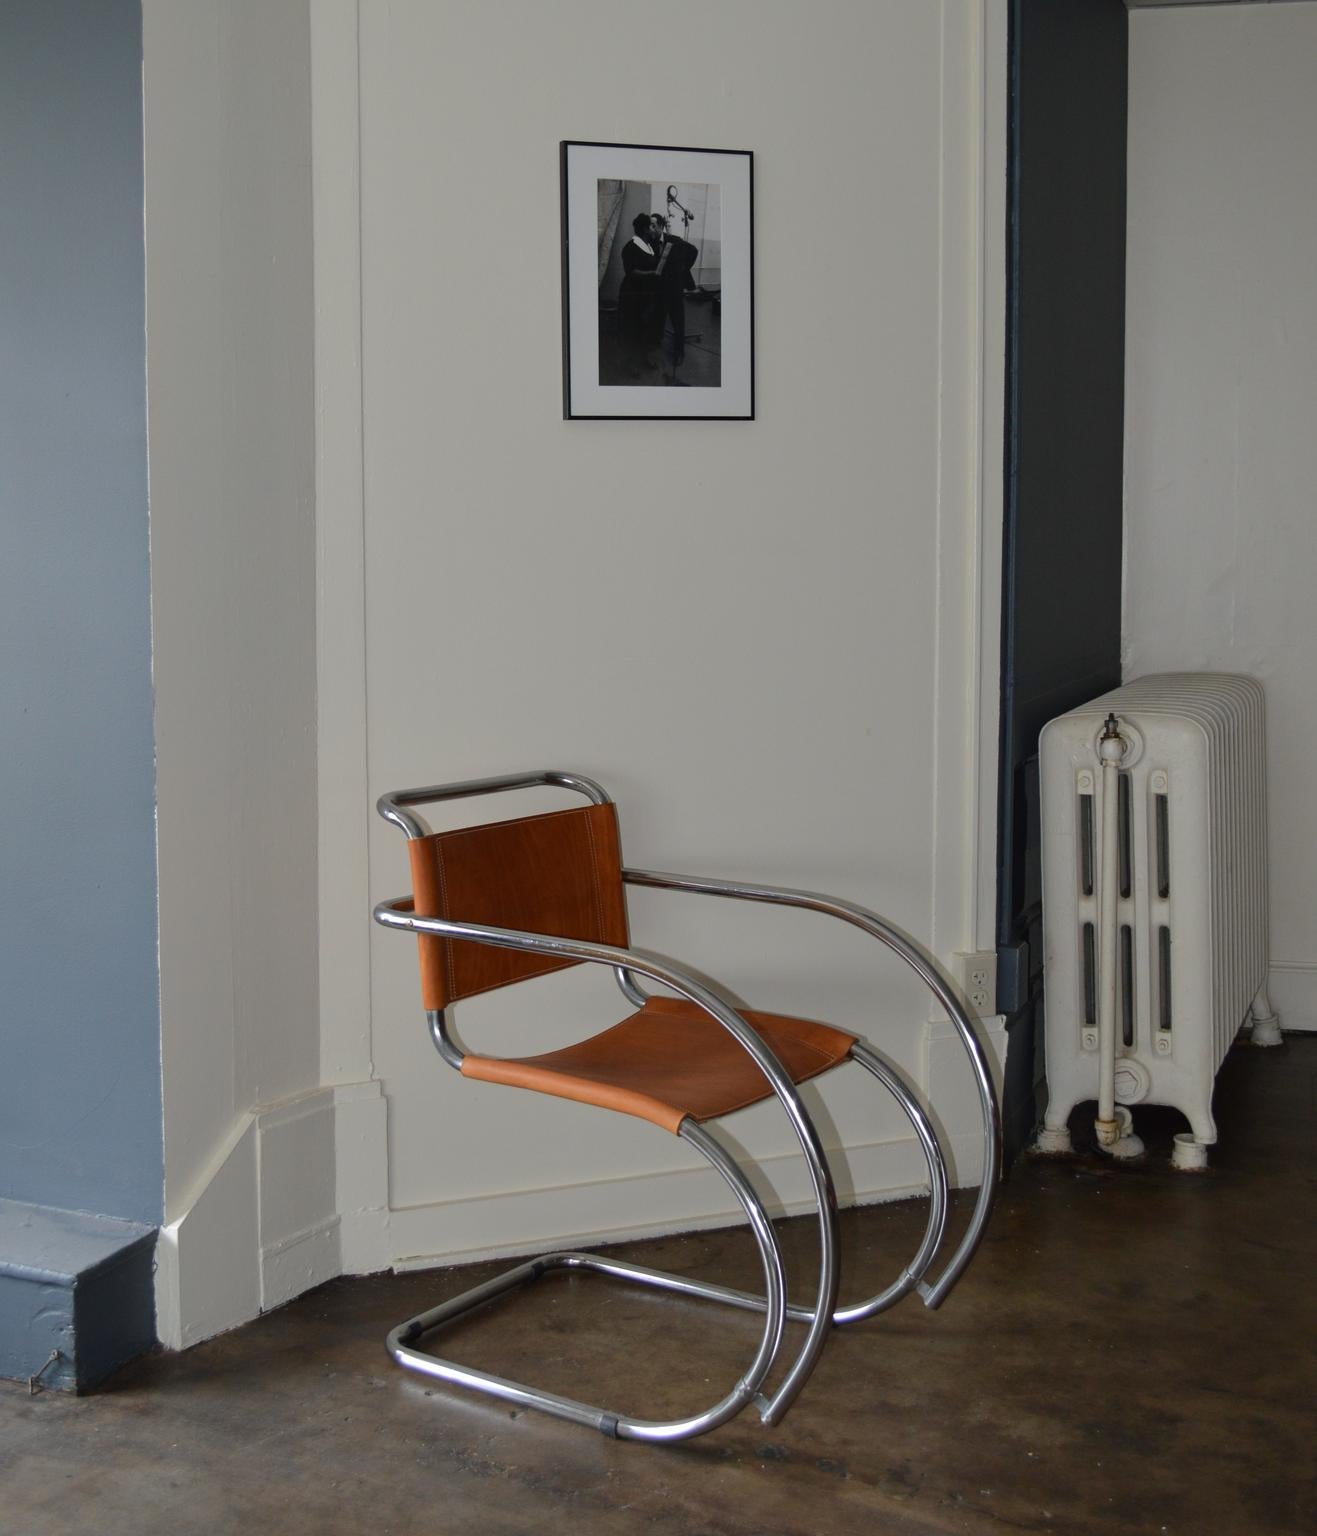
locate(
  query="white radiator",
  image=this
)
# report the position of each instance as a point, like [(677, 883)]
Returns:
[(1190, 872)]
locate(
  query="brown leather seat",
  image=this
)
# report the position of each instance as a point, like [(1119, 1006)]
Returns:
[(670, 1061)]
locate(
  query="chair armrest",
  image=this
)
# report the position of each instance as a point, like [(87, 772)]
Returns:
[(397, 914), (928, 970)]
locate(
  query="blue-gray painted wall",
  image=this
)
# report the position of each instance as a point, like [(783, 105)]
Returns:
[(80, 1116)]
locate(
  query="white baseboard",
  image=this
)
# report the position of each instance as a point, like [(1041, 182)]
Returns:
[(496, 1224), (590, 1212), (208, 1270), (296, 1263), (952, 1100), (361, 1165), (297, 1207), (295, 1196), (298, 1194), (1293, 991)]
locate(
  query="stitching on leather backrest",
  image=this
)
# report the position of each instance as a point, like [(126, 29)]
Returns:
[(594, 876), (510, 821), (450, 978)]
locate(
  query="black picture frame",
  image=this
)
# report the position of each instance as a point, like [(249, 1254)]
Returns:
[(650, 333)]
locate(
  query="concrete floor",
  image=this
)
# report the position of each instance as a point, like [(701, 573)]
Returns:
[(1133, 1351)]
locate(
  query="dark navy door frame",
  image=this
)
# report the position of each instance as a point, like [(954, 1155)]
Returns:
[(1064, 450)]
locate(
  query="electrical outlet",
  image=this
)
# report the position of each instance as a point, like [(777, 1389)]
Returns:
[(977, 974)]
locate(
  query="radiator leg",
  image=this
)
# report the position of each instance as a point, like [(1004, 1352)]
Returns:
[(1053, 1141), (1054, 1136), (1188, 1154), (1266, 1026), (1202, 1122)]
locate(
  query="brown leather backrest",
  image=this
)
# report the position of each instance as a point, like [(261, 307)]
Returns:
[(559, 874)]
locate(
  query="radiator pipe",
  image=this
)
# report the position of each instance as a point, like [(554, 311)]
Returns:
[(1111, 751)]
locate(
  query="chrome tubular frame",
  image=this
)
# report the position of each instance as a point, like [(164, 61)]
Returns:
[(628, 965), (914, 1272), (896, 1085), (394, 806), (403, 1340), (448, 1048), (392, 915), (941, 987)]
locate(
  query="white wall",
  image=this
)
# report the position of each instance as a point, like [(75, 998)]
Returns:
[(1221, 379), (230, 325), (785, 671), (788, 670)]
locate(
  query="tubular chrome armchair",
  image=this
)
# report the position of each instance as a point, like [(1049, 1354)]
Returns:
[(500, 903)]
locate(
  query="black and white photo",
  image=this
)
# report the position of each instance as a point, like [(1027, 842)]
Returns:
[(657, 282), (660, 284)]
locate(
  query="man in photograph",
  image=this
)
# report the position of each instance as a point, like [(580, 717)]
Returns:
[(676, 260)]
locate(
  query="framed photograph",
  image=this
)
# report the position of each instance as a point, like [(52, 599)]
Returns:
[(657, 282)]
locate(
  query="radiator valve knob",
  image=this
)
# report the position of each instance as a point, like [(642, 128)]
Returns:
[(1111, 748)]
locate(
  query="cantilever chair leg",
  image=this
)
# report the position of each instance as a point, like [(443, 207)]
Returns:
[(923, 965), (934, 1230), (915, 1271), (403, 1340)]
